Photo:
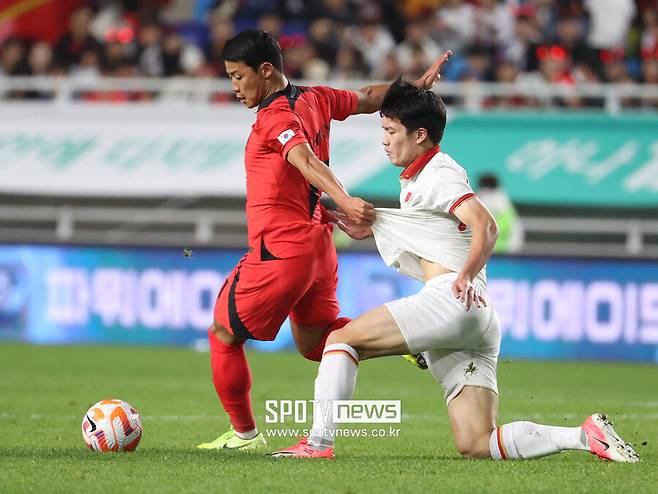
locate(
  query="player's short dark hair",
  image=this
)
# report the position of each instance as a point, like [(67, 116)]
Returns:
[(253, 48), (415, 108)]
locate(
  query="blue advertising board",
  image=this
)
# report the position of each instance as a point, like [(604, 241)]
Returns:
[(549, 307)]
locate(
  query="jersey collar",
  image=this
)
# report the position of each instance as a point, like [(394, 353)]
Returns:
[(419, 163), (291, 92)]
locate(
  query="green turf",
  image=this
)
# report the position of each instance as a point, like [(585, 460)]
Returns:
[(44, 391)]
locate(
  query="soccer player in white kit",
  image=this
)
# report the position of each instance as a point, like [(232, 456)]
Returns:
[(442, 235)]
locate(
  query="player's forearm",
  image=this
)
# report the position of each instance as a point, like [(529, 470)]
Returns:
[(371, 98), (482, 245), (320, 175)]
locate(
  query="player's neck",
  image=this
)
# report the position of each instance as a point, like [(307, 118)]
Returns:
[(422, 149), (277, 83)]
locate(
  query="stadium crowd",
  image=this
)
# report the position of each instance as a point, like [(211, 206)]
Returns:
[(561, 41)]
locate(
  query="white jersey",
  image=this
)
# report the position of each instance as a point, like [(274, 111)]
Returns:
[(424, 226)]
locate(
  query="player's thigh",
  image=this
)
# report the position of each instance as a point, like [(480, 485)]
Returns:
[(318, 307), (258, 297), (433, 318), (374, 334), (472, 418)]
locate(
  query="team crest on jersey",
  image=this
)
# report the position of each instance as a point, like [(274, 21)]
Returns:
[(285, 136)]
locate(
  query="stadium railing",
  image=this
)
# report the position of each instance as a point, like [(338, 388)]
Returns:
[(471, 96)]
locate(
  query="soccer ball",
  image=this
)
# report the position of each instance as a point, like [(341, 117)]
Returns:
[(112, 425)]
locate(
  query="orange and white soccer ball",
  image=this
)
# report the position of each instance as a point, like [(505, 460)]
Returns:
[(112, 425)]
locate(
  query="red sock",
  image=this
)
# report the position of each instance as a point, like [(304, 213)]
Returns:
[(316, 353), (232, 379)]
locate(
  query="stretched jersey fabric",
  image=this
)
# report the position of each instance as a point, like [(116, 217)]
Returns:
[(283, 210), (425, 227)]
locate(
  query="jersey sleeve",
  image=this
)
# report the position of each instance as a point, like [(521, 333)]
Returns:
[(448, 189), (281, 130), (341, 103)]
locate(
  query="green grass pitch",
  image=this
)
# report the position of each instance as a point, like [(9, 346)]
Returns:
[(44, 392)]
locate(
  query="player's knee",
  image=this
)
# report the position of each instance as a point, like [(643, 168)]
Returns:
[(224, 335), (342, 335)]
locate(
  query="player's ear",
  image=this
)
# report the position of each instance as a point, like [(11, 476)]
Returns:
[(421, 135), (266, 70)]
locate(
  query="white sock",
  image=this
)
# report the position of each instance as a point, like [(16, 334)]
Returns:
[(336, 380), (530, 440), (247, 435)]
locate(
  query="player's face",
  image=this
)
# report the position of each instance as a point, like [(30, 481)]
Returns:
[(401, 147), (248, 85)]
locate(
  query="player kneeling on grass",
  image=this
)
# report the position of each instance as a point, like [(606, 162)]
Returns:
[(442, 235)]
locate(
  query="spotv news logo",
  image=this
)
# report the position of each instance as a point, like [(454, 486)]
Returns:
[(342, 411)]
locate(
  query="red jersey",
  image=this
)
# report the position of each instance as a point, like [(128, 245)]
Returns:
[(283, 210)]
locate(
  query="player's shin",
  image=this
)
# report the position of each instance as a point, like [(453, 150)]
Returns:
[(522, 440), (232, 380), (336, 380)]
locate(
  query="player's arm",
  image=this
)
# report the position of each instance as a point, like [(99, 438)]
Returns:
[(302, 157), (369, 98), (485, 232)]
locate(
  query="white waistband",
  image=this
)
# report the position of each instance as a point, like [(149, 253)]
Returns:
[(445, 278)]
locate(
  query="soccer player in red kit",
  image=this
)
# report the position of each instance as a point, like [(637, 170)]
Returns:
[(290, 268)]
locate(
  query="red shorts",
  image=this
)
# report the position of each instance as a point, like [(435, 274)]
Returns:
[(259, 295)]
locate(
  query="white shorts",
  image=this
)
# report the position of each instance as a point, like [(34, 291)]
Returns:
[(461, 347)]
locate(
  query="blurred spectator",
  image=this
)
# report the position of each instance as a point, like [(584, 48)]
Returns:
[(40, 63), (339, 11), (12, 63), (570, 35), (527, 38), (149, 50), (617, 72), (88, 70), (392, 17), (494, 25), (221, 30), (609, 22), (272, 23), (510, 228), (325, 39), (78, 41), (418, 51), (555, 67), (12, 58), (114, 56), (507, 72), (349, 64), (389, 69), (371, 40), (40, 59), (455, 25), (297, 55), (649, 39), (478, 65)]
